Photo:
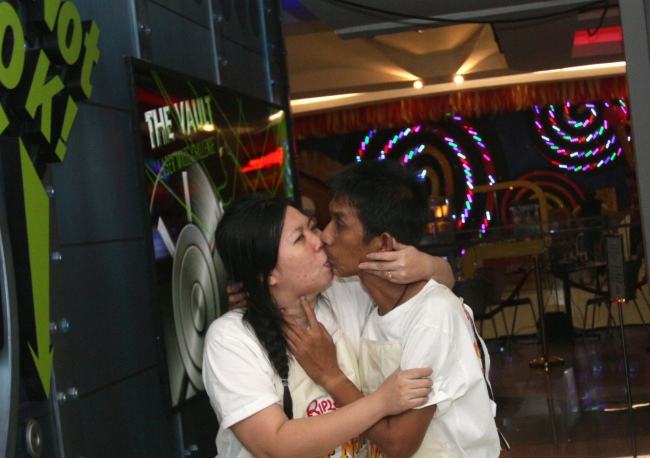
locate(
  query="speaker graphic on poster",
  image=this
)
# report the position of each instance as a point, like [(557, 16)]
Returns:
[(198, 284), (202, 145)]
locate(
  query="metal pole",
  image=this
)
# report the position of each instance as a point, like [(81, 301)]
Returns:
[(545, 360), (627, 377)]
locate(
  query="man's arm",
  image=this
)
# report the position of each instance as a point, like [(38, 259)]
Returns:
[(407, 264), (267, 432), (397, 435)]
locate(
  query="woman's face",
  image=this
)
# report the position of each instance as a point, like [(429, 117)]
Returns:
[(302, 267)]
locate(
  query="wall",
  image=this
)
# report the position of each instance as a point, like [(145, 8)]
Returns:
[(107, 398)]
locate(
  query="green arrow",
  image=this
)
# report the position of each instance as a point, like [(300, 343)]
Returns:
[(37, 217)]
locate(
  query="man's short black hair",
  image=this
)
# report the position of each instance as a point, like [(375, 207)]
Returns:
[(388, 197)]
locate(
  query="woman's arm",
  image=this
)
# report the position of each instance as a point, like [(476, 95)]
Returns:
[(399, 434), (269, 433), (407, 264)]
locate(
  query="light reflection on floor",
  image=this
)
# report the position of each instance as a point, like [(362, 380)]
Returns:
[(578, 409)]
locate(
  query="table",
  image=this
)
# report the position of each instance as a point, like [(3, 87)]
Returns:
[(563, 272)]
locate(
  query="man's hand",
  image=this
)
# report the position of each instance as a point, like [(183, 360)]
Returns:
[(313, 348), (236, 296)]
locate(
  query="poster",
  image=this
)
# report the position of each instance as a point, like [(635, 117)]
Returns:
[(201, 146)]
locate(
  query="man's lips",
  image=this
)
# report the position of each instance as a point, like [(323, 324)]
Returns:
[(332, 267)]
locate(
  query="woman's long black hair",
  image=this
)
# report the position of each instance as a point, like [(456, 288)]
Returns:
[(248, 241)]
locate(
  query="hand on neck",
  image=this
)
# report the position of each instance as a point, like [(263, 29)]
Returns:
[(293, 308)]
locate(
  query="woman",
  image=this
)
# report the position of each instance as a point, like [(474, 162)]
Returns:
[(276, 253)]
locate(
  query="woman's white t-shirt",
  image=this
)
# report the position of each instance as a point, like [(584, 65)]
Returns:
[(238, 376)]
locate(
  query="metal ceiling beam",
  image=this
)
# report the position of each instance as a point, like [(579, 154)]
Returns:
[(349, 22)]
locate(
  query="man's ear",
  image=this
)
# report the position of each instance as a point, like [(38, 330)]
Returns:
[(385, 242)]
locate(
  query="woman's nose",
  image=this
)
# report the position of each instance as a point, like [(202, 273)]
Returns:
[(325, 235), (316, 241)]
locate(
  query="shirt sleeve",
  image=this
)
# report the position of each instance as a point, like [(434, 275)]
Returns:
[(443, 344), (238, 376)]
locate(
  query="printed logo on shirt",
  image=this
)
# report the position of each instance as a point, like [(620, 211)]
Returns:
[(351, 448), (374, 451), (321, 406), (348, 450), (477, 348)]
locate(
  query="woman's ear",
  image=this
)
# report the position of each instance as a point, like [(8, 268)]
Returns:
[(273, 278)]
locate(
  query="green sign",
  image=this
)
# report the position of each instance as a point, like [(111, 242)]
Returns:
[(48, 54)]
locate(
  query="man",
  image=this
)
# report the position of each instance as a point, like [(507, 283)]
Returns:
[(589, 211), (420, 324)]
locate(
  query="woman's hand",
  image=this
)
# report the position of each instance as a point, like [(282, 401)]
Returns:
[(313, 347), (406, 264), (405, 390)]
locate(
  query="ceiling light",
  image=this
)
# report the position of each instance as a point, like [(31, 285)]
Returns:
[(326, 98), (417, 84), (458, 79)]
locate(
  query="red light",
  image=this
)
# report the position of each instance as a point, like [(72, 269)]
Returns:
[(604, 35), (269, 160)]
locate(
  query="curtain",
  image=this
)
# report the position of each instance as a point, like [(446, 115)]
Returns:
[(468, 104)]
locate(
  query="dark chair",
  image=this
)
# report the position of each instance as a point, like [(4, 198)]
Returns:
[(497, 303), (476, 293), (631, 268)]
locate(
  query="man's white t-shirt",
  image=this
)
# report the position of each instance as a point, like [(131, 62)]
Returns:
[(433, 329), (238, 376)]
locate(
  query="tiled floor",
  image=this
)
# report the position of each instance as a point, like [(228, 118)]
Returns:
[(565, 411)]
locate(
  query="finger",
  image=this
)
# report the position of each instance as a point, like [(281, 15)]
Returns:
[(312, 322), (397, 245), (382, 256), (234, 288), (377, 265), (420, 392), (291, 344), (420, 389), (417, 383), (420, 372), (237, 297), (291, 324), (293, 334)]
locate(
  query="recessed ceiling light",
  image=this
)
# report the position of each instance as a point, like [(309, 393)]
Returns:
[(458, 79), (417, 84)]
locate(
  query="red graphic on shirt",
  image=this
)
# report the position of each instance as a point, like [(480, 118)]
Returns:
[(351, 447), (321, 406)]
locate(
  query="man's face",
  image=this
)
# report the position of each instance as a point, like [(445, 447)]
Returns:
[(343, 239)]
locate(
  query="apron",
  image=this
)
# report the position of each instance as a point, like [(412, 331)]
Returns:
[(309, 399), (377, 360)]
